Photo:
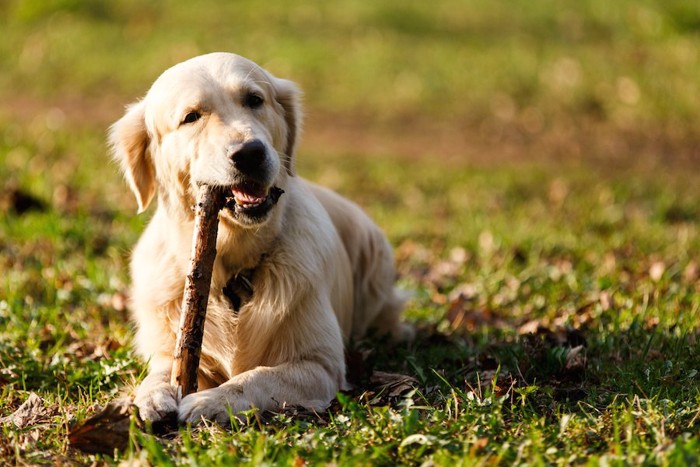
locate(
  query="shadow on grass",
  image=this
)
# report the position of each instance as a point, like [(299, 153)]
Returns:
[(550, 366)]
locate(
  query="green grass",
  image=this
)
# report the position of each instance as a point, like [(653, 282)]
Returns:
[(592, 252)]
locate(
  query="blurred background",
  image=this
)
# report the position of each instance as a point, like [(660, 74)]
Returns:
[(476, 81)]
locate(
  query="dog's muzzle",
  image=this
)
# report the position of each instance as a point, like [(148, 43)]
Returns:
[(251, 196), (252, 201)]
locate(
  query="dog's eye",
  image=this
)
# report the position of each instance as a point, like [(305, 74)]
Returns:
[(253, 100), (192, 117)]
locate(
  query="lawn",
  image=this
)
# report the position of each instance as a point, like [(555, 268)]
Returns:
[(534, 165)]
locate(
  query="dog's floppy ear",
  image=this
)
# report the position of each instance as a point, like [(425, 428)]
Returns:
[(289, 96), (129, 143)]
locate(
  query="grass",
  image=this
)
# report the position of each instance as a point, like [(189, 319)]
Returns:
[(557, 300)]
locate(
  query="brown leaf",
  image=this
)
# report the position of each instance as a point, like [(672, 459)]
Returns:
[(93, 350), (393, 384), (462, 315), (478, 445), (575, 358), (105, 431), (413, 260), (444, 271), (31, 412), (529, 327)]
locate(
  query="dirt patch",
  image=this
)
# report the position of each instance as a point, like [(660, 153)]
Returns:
[(447, 140), (455, 140)]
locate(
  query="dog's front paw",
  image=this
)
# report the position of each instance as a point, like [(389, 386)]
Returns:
[(156, 401), (215, 404)]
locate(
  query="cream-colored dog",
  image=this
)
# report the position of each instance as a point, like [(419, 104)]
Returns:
[(299, 269)]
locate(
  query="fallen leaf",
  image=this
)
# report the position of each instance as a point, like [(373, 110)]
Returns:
[(31, 412), (392, 384), (478, 445), (93, 350), (575, 358), (106, 431), (461, 314), (529, 327)]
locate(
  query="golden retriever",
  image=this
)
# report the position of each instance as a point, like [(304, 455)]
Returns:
[(299, 270)]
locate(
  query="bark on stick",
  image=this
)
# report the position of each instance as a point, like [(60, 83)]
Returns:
[(196, 295)]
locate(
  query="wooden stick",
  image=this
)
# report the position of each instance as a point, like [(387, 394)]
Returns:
[(196, 295)]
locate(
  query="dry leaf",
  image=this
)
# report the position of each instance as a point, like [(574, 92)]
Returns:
[(478, 445), (393, 384), (461, 315), (529, 327), (106, 431), (575, 358), (31, 412), (102, 348)]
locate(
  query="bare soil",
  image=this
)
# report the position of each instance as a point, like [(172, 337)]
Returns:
[(446, 140)]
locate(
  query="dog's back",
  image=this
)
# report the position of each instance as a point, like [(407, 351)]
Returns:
[(377, 303)]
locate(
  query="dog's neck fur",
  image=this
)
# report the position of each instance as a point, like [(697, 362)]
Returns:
[(238, 248), (241, 248)]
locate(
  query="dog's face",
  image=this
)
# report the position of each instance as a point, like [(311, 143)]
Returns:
[(217, 119)]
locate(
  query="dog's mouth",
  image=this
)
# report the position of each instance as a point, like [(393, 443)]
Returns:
[(252, 200)]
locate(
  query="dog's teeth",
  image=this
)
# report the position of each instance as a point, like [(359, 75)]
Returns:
[(246, 200)]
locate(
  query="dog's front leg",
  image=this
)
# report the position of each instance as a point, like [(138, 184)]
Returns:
[(306, 383), (155, 397)]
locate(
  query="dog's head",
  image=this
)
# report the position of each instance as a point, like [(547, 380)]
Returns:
[(217, 119)]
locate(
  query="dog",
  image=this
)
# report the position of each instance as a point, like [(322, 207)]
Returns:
[(299, 271)]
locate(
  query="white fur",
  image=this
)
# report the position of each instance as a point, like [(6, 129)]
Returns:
[(323, 270)]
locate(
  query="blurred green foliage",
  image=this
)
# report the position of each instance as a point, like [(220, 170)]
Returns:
[(627, 62)]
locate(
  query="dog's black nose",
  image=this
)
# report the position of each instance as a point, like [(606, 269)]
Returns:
[(248, 156)]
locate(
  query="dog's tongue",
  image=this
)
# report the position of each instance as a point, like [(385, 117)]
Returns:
[(244, 196)]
